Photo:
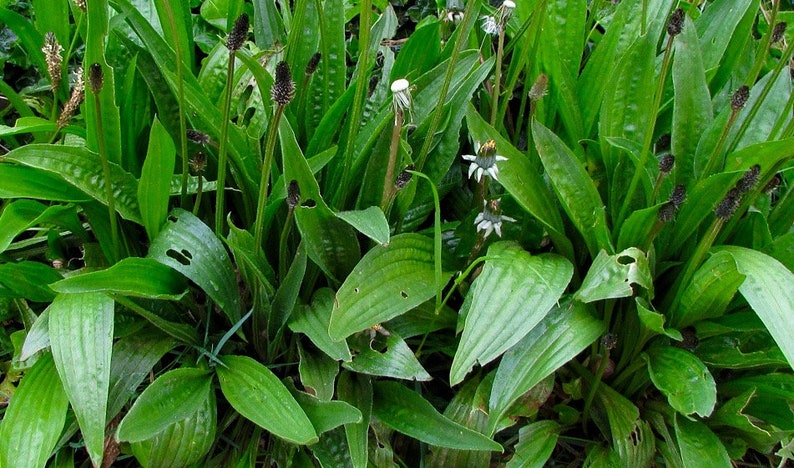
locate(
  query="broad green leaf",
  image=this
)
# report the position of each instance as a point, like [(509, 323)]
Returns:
[(397, 361), (312, 320), (26, 34), (496, 318), (389, 281), (34, 418), (632, 437), (574, 187), (81, 336), (419, 53), (28, 280), (327, 415), (29, 182), (183, 443), (423, 319), (710, 291), (172, 397), (38, 336), (612, 276), (371, 222), (357, 390), (19, 215), (536, 442), (407, 412), (82, 169), (699, 446), (716, 26), (767, 288), (741, 351), (257, 394), (134, 277), (317, 372), (155, 185), (287, 293), (563, 333), (654, 321), (683, 379), (190, 247), (772, 404)]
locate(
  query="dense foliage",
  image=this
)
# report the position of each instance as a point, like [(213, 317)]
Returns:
[(327, 233)]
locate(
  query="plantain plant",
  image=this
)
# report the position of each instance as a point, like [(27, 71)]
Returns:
[(244, 233)]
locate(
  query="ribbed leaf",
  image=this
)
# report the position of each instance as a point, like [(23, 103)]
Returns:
[(312, 320), (134, 277), (154, 187), (536, 442), (357, 390), (81, 336), (259, 396), (28, 280), (388, 281), (710, 291), (34, 418), (699, 446), (370, 222), (397, 361), (318, 372), (22, 214), (172, 397), (407, 412), (497, 318), (190, 247), (612, 276), (29, 182), (683, 379), (327, 415)]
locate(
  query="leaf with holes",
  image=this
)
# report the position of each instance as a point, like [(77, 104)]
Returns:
[(612, 276), (190, 247)]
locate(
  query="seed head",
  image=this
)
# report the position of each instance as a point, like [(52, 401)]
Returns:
[(80, 4), (238, 34), (676, 23), (197, 137), (539, 88), (311, 67), (609, 341), (198, 162), (728, 206), (667, 212), (76, 98), (293, 194), (739, 98), (773, 184), (666, 163), (404, 177), (95, 77), (678, 195), (52, 55), (749, 179), (778, 31), (283, 89)]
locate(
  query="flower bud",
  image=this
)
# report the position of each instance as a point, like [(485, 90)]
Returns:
[(778, 31), (773, 184), (739, 98), (52, 55), (311, 67), (283, 89), (404, 177), (749, 179), (728, 206), (198, 162), (676, 23), (678, 195), (667, 212), (666, 163), (197, 137), (539, 88), (238, 34), (95, 77)]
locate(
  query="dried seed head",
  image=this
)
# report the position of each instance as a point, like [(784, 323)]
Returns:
[(676, 23), (539, 88), (778, 31), (667, 212), (80, 4), (609, 341), (197, 137), (283, 89), (311, 67), (293, 194), (749, 179), (773, 184), (404, 177), (728, 206), (739, 98), (238, 34), (666, 163), (95, 77), (198, 162), (678, 195), (76, 98), (52, 55)]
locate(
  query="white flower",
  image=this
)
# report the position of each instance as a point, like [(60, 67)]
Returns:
[(485, 161), (491, 26), (401, 95), (491, 219)]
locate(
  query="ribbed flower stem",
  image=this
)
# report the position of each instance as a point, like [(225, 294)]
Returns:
[(388, 181), (220, 189), (497, 76), (103, 156), (264, 181)]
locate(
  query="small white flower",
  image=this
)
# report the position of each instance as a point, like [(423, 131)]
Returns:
[(401, 95), (491, 26), (485, 161), (491, 219)]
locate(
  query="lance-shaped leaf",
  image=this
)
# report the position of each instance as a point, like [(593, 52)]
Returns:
[(155, 185), (312, 320), (389, 281), (612, 276), (683, 379), (699, 446), (370, 222), (81, 336), (396, 361), (512, 294)]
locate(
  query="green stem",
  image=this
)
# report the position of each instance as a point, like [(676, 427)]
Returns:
[(282, 245), (717, 154), (388, 181), (220, 189), (436, 237), (497, 76), (264, 181), (103, 156)]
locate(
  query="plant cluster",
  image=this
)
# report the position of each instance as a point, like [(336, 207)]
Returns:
[(317, 233)]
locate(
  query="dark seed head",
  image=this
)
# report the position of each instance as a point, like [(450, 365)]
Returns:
[(739, 98), (667, 212), (749, 179), (678, 195), (773, 184), (728, 206), (238, 34), (198, 162), (676, 23), (778, 31), (666, 163), (283, 89), (404, 177), (311, 67), (609, 341), (197, 137), (95, 77), (293, 194)]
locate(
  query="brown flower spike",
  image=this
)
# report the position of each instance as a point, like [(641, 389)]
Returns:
[(238, 34), (283, 89)]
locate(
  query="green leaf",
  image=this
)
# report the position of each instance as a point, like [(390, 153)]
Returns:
[(259, 396), (710, 291), (172, 397), (397, 361), (154, 187), (632, 437), (22, 214), (357, 390), (407, 412), (38, 336), (536, 442), (699, 446), (34, 419), (327, 415), (190, 247), (81, 336), (389, 281), (612, 276), (312, 320), (317, 372), (683, 379), (574, 187), (28, 280), (654, 321), (286, 295), (496, 318), (370, 222), (83, 169), (767, 288), (29, 182), (133, 277), (563, 333)]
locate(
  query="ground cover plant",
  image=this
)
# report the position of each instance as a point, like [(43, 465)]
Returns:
[(334, 233)]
